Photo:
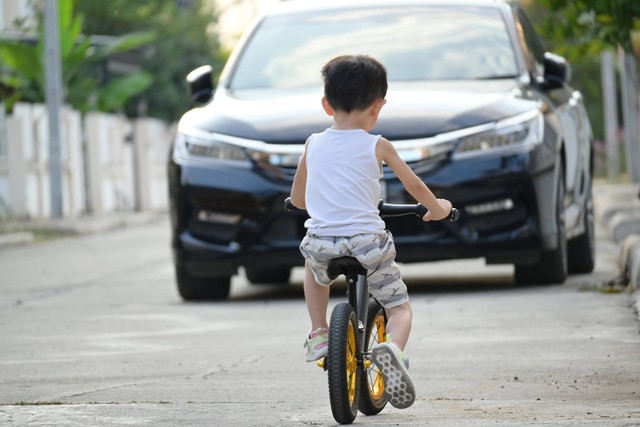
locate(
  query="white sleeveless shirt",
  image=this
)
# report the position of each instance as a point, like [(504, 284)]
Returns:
[(343, 183)]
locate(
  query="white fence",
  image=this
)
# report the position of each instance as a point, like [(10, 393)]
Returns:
[(109, 163)]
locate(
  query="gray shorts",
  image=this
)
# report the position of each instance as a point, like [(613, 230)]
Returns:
[(376, 253)]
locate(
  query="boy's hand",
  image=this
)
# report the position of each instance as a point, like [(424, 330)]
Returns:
[(436, 216)]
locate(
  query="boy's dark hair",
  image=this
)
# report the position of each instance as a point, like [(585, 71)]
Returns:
[(354, 82)]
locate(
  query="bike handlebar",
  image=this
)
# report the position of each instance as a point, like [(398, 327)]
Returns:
[(391, 210)]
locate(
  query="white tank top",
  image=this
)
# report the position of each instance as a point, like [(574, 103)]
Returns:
[(343, 183)]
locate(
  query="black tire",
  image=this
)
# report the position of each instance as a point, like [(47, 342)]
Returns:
[(372, 398), (342, 364), (551, 267), (582, 249), (262, 275), (193, 288)]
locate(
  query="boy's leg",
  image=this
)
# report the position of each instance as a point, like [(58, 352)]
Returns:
[(386, 285), (391, 360), (317, 299), (399, 321)]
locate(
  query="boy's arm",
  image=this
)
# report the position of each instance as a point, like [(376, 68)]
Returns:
[(438, 208), (299, 187)]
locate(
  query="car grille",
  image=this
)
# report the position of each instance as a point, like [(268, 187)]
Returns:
[(286, 174), (218, 217), (497, 222)]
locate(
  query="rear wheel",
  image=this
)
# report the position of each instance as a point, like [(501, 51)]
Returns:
[(201, 288), (342, 364), (551, 267), (581, 249), (372, 399)]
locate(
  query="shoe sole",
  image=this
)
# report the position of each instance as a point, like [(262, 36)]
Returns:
[(316, 357), (398, 387)]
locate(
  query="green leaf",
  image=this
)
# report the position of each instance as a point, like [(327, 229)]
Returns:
[(114, 95), (21, 58), (126, 43)]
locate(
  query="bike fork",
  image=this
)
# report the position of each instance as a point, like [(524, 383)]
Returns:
[(359, 300)]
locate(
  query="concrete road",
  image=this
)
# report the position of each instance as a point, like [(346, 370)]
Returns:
[(93, 333)]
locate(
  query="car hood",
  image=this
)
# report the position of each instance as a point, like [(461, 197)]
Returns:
[(413, 110)]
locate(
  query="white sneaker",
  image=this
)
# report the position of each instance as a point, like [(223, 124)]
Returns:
[(393, 364)]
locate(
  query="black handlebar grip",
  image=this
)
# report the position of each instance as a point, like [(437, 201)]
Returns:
[(421, 210), (288, 206), (453, 216)]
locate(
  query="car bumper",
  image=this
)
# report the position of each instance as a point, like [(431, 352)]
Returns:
[(219, 225)]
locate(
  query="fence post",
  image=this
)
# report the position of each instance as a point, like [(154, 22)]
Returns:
[(609, 97), (629, 89), (141, 165)]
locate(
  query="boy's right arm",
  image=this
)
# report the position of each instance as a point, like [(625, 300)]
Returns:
[(438, 208)]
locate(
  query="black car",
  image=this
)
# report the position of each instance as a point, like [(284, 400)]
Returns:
[(476, 106)]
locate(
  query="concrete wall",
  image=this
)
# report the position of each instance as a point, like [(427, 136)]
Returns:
[(109, 163)]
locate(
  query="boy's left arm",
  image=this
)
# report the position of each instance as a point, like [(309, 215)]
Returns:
[(299, 187)]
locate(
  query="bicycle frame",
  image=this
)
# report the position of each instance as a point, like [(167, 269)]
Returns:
[(358, 297)]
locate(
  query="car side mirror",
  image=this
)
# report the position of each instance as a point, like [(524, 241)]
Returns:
[(200, 83), (557, 71)]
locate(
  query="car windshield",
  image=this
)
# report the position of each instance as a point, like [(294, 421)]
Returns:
[(414, 43)]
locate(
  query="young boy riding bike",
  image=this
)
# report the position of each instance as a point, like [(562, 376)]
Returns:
[(338, 183)]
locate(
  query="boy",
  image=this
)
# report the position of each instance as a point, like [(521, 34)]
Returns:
[(338, 183)]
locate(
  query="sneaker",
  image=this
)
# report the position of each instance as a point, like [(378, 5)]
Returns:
[(317, 344), (393, 365)]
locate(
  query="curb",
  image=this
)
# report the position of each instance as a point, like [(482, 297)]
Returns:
[(24, 231)]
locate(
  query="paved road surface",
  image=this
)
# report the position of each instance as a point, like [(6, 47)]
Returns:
[(92, 333)]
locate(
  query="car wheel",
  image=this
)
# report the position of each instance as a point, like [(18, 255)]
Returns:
[(201, 288), (551, 267), (261, 275), (581, 249)]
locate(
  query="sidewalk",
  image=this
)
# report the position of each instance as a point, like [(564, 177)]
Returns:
[(617, 209)]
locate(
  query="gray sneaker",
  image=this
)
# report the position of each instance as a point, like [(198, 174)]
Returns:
[(393, 364)]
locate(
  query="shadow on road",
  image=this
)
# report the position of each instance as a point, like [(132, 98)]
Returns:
[(417, 286)]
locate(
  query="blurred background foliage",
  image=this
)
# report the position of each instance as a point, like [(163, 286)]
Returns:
[(185, 38), (23, 69), (142, 50), (117, 56), (580, 30)]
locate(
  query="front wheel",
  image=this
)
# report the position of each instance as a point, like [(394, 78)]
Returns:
[(342, 364), (372, 398), (551, 267)]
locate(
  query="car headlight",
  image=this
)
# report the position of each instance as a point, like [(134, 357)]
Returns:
[(195, 143), (208, 146), (521, 131)]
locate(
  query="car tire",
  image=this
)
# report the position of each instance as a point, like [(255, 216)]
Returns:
[(264, 275), (581, 249), (193, 288), (552, 266)]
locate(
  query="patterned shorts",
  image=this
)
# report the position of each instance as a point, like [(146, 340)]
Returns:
[(376, 253)]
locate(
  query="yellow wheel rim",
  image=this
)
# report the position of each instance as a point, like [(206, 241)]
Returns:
[(378, 335), (352, 363)]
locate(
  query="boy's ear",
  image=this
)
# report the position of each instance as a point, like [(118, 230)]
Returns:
[(377, 106), (326, 106)]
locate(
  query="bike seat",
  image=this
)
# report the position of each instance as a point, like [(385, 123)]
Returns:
[(348, 266)]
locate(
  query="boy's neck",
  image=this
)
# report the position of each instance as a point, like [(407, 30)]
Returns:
[(357, 119)]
